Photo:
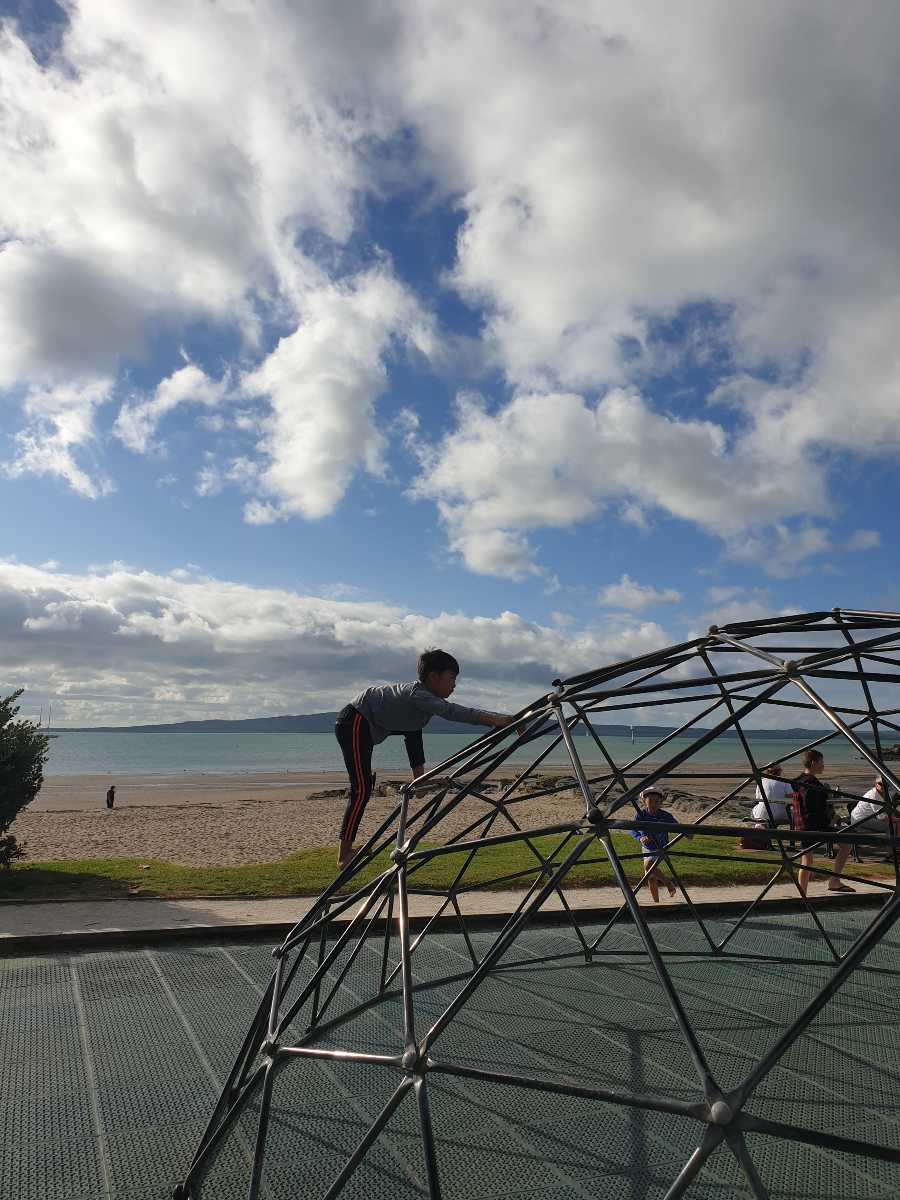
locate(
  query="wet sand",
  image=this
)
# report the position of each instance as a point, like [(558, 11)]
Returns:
[(226, 820), (87, 793)]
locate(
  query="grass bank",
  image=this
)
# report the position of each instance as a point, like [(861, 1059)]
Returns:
[(309, 871)]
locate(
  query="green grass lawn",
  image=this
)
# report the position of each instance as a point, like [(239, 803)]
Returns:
[(312, 870)]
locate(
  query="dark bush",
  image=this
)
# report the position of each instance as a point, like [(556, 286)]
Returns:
[(23, 752)]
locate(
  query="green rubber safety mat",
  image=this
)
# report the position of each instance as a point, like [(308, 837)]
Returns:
[(112, 1063)]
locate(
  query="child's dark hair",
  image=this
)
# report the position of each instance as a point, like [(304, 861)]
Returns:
[(810, 756), (438, 661)]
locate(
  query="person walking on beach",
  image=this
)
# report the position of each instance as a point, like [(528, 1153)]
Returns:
[(811, 812), (111, 796), (399, 708)]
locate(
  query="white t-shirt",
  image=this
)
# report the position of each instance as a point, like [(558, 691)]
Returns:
[(871, 808), (777, 792)]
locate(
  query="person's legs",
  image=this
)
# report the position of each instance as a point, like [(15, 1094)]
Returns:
[(834, 883), (655, 877), (669, 886), (355, 741), (803, 874), (652, 885)]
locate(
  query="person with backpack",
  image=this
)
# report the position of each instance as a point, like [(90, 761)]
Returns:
[(813, 813)]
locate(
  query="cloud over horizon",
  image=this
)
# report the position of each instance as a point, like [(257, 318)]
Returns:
[(123, 646)]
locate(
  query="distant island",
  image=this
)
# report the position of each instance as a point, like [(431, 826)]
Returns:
[(324, 723)]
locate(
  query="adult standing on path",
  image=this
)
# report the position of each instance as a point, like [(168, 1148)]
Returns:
[(811, 813), (399, 708), (111, 796)]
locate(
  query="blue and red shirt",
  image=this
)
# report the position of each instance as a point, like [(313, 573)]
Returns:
[(658, 839)]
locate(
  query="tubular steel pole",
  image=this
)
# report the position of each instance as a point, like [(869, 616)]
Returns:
[(738, 1148), (244, 1055), (431, 1163), (879, 927), (711, 1090), (711, 1138), (361, 1150), (504, 940), (865, 686), (219, 1132), (409, 1028), (813, 1137), (663, 1104), (261, 1131), (589, 806), (846, 731)]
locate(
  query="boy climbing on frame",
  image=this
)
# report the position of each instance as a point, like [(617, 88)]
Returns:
[(399, 708)]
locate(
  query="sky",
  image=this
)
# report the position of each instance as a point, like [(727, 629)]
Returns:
[(548, 333)]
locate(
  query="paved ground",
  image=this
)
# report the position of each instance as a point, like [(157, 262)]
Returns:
[(80, 917)]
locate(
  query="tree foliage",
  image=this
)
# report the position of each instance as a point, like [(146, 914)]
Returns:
[(23, 752)]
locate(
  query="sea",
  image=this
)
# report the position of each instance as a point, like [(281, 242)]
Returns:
[(173, 754)]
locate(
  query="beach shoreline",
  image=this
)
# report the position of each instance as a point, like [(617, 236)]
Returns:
[(226, 820), (88, 792)]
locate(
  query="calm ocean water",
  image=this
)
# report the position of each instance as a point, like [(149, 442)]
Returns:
[(254, 753)]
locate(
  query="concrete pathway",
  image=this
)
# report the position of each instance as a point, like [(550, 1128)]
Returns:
[(80, 921)]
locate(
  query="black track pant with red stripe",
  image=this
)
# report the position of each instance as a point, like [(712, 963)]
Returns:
[(355, 740)]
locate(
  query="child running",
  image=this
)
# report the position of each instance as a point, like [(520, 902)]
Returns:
[(399, 708), (654, 842)]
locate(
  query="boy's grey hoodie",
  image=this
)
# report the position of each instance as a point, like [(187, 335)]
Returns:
[(401, 707)]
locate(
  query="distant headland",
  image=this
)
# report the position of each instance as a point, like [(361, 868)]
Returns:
[(324, 723)]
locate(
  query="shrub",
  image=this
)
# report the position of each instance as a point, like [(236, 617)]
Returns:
[(23, 752), (10, 850)]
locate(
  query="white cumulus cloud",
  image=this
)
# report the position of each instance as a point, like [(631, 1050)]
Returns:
[(137, 421), (555, 459), (622, 166), (61, 421), (322, 382), (159, 171), (635, 596), (643, 187)]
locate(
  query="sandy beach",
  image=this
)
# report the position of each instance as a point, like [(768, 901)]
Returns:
[(221, 820)]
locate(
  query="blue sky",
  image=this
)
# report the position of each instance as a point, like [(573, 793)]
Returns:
[(548, 333)]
